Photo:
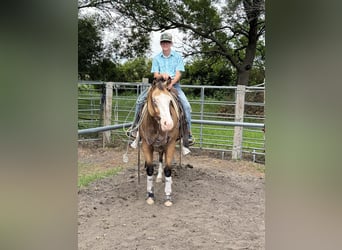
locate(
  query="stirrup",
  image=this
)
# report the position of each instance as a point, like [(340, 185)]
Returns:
[(135, 143), (131, 134), (191, 140), (185, 150)]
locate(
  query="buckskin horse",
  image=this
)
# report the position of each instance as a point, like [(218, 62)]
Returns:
[(159, 130)]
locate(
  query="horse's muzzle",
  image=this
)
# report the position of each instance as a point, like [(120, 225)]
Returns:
[(166, 125)]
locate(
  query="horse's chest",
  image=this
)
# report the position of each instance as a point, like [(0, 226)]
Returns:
[(160, 141)]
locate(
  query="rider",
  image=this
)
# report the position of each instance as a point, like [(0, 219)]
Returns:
[(168, 63)]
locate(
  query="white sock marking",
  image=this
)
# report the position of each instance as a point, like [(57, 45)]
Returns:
[(168, 182), (149, 184)]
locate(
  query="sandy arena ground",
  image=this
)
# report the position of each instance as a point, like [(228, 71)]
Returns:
[(218, 204)]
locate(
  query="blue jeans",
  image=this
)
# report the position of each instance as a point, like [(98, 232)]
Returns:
[(182, 98)]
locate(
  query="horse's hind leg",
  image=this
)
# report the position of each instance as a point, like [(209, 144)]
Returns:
[(160, 168)]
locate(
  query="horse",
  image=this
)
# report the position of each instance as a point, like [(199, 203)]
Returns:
[(159, 131)]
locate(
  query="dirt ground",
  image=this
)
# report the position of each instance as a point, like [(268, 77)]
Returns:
[(218, 204)]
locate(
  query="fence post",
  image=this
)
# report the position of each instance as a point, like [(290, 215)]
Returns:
[(142, 87), (239, 112), (107, 114)]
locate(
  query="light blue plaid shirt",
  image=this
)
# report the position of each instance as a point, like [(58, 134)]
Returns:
[(169, 65)]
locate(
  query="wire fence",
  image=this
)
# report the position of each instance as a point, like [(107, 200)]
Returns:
[(213, 107)]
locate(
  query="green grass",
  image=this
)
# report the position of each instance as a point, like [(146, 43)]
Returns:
[(218, 136), (84, 179)]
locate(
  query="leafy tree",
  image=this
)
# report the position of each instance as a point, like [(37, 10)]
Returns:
[(89, 46), (212, 71), (104, 70), (135, 70), (126, 40), (232, 30)]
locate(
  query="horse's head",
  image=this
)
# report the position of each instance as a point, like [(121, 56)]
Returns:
[(159, 102)]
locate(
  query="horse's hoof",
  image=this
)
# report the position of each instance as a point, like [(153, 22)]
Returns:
[(150, 201), (168, 203)]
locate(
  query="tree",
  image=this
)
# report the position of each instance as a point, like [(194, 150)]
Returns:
[(127, 41), (135, 70), (212, 71), (89, 46), (104, 70), (227, 29)]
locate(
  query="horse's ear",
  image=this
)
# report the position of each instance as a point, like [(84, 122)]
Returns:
[(158, 78), (154, 81)]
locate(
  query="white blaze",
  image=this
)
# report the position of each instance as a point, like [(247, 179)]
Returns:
[(163, 102)]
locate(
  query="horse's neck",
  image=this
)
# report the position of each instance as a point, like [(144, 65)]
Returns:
[(152, 121), (174, 114)]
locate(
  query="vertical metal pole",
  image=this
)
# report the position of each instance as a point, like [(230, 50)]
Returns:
[(180, 152), (116, 107), (201, 115), (138, 163)]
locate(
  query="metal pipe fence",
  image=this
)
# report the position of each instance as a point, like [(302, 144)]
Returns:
[(213, 115)]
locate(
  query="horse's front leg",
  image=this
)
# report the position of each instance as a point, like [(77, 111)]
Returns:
[(167, 172), (148, 154)]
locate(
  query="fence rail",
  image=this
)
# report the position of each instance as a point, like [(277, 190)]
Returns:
[(106, 109)]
